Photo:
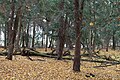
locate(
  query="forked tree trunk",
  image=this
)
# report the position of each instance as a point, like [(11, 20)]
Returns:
[(77, 24), (13, 31)]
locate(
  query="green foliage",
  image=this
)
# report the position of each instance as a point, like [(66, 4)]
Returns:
[(103, 13)]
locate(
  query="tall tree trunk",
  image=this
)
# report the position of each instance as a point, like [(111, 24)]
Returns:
[(27, 40), (7, 32), (42, 38), (23, 39), (13, 31), (17, 43), (77, 24), (1, 31), (61, 32), (5, 36), (46, 46), (10, 33), (33, 38)]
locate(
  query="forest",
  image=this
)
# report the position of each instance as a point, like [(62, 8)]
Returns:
[(59, 39)]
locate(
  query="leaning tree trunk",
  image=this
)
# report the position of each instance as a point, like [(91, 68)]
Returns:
[(77, 24)]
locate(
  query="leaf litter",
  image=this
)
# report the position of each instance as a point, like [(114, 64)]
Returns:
[(50, 69)]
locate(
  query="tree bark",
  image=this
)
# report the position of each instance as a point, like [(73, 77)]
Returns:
[(107, 43), (61, 32), (27, 40), (50, 41), (5, 36), (23, 39), (69, 44), (17, 43), (10, 32), (77, 24), (33, 38), (13, 30), (114, 41), (42, 45), (46, 45)]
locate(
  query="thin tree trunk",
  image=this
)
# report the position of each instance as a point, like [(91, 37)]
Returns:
[(46, 42), (46, 46), (5, 36), (33, 38), (69, 43), (51, 41), (17, 43), (27, 40), (1, 31), (77, 24), (23, 39), (107, 44), (42, 38), (114, 41)]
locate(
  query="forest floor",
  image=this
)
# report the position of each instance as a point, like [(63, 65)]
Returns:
[(20, 68)]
